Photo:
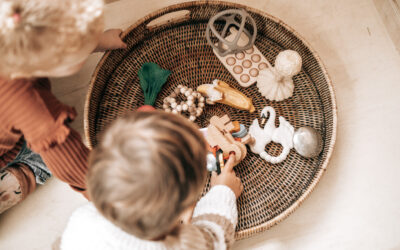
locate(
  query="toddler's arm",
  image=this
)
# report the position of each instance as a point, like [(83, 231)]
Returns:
[(216, 213), (109, 40), (42, 120)]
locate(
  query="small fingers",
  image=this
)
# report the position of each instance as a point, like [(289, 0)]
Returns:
[(238, 180), (241, 188), (123, 45), (230, 163), (214, 175), (119, 31)]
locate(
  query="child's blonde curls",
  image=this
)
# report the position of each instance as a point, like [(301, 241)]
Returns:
[(147, 170), (36, 34)]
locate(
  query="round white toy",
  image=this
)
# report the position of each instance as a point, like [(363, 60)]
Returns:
[(307, 142), (193, 105), (276, 83)]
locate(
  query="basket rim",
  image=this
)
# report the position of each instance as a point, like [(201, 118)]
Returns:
[(283, 215)]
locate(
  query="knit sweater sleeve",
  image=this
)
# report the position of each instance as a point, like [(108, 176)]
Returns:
[(216, 216), (212, 227)]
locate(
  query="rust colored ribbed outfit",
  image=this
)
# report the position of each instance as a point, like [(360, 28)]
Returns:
[(29, 110)]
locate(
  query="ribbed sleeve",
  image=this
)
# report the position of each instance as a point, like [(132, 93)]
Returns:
[(29, 109), (37, 114), (10, 150), (220, 200), (68, 161)]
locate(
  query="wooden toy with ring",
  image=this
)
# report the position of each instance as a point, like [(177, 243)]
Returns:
[(219, 137)]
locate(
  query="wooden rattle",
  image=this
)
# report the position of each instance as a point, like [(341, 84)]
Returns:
[(219, 137), (193, 105)]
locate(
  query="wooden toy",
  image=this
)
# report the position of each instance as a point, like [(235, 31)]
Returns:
[(245, 66), (193, 105), (247, 139), (219, 136), (221, 92), (242, 132), (276, 83)]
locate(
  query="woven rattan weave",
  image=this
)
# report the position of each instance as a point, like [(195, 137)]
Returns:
[(271, 192)]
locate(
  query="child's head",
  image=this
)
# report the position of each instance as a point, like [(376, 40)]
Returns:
[(47, 37), (147, 170)]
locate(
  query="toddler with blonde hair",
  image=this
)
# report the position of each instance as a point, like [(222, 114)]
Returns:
[(43, 38), (148, 172)]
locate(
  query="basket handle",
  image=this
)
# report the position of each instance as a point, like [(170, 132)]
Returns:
[(176, 16)]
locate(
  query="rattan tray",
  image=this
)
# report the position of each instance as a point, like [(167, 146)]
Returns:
[(272, 192)]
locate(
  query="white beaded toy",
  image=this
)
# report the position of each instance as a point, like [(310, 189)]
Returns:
[(193, 105)]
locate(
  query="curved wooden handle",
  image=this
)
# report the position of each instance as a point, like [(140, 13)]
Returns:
[(176, 16)]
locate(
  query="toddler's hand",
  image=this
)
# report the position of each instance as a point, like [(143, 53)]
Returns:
[(228, 177), (110, 39)]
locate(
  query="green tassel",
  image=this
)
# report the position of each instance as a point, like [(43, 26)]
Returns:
[(152, 78)]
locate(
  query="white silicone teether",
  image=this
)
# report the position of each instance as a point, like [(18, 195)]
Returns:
[(282, 135)]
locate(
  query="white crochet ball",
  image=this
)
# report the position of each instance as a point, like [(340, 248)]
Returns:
[(288, 63)]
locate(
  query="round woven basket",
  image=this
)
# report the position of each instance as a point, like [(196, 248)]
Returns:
[(271, 192)]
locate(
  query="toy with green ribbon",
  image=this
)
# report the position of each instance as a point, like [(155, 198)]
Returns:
[(152, 77)]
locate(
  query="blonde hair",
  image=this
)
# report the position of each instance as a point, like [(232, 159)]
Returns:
[(36, 34), (148, 168)]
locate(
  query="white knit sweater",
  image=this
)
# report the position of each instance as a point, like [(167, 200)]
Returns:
[(213, 223)]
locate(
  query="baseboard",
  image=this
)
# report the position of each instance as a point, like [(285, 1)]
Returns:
[(109, 1), (396, 7), (389, 10)]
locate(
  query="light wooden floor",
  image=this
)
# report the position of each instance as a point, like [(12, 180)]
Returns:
[(355, 206)]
